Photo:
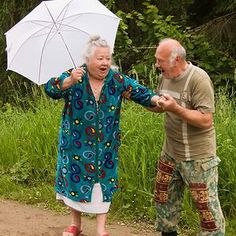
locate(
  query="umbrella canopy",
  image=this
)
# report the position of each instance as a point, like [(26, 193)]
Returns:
[(52, 37)]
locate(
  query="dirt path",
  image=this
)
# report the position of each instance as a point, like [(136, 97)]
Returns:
[(17, 219)]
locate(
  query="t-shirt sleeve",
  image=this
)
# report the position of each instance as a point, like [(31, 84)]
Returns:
[(203, 93)]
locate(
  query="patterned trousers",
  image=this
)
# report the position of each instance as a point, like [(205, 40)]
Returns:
[(201, 177)]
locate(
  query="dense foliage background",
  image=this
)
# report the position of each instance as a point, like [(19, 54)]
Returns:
[(206, 29), (28, 141)]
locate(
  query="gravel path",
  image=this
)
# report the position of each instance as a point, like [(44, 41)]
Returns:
[(18, 219)]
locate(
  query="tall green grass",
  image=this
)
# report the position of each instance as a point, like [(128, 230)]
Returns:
[(28, 152), (225, 122), (28, 142), (141, 145)]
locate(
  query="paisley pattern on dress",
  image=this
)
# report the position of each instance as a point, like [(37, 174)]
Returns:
[(89, 135)]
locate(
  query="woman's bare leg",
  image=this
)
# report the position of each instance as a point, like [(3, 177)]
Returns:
[(75, 225), (76, 218), (101, 222)]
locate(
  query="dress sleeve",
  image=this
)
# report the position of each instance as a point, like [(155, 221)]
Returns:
[(137, 92), (53, 87)]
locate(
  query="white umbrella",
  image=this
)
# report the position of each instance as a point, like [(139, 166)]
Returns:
[(52, 37)]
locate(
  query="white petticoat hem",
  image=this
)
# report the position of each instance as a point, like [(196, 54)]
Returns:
[(96, 206)]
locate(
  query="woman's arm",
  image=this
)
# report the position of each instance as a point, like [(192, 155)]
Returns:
[(59, 87), (139, 93)]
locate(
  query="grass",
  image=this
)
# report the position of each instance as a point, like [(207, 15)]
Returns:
[(28, 153), (141, 144), (225, 122)]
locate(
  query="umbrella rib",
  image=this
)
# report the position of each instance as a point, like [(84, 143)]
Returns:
[(86, 13), (26, 41), (60, 35), (73, 27), (64, 12), (67, 6), (41, 56)]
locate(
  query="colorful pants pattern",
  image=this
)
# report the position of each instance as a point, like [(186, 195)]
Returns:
[(201, 177)]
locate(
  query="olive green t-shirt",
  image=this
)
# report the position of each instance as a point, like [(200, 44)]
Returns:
[(194, 90)]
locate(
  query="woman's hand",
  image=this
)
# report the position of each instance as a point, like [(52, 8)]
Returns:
[(155, 101), (75, 77), (76, 74)]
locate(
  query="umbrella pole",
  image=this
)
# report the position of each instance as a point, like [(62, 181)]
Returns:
[(67, 49)]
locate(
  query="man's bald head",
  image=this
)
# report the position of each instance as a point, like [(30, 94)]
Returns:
[(173, 48), (170, 58)]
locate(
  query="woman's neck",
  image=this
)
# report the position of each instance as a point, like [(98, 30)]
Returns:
[(96, 86)]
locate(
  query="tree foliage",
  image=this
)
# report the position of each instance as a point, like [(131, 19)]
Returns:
[(143, 24), (145, 28), (11, 11), (215, 18)]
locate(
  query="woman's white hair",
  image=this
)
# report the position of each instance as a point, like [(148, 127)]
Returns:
[(94, 42)]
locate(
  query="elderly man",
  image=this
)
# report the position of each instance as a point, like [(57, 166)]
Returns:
[(189, 156)]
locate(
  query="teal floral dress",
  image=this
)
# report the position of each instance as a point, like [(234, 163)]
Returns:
[(89, 136)]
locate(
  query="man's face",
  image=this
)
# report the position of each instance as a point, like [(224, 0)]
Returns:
[(163, 62)]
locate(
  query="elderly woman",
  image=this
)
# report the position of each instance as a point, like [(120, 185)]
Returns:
[(89, 136)]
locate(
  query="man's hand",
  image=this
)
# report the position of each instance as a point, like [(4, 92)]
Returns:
[(167, 103), (193, 117), (156, 109)]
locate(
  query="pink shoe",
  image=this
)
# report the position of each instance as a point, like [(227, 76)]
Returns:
[(72, 231), (105, 234)]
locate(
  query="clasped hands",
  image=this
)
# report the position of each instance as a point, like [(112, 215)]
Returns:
[(166, 103)]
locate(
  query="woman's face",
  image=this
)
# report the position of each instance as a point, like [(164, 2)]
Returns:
[(99, 63)]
